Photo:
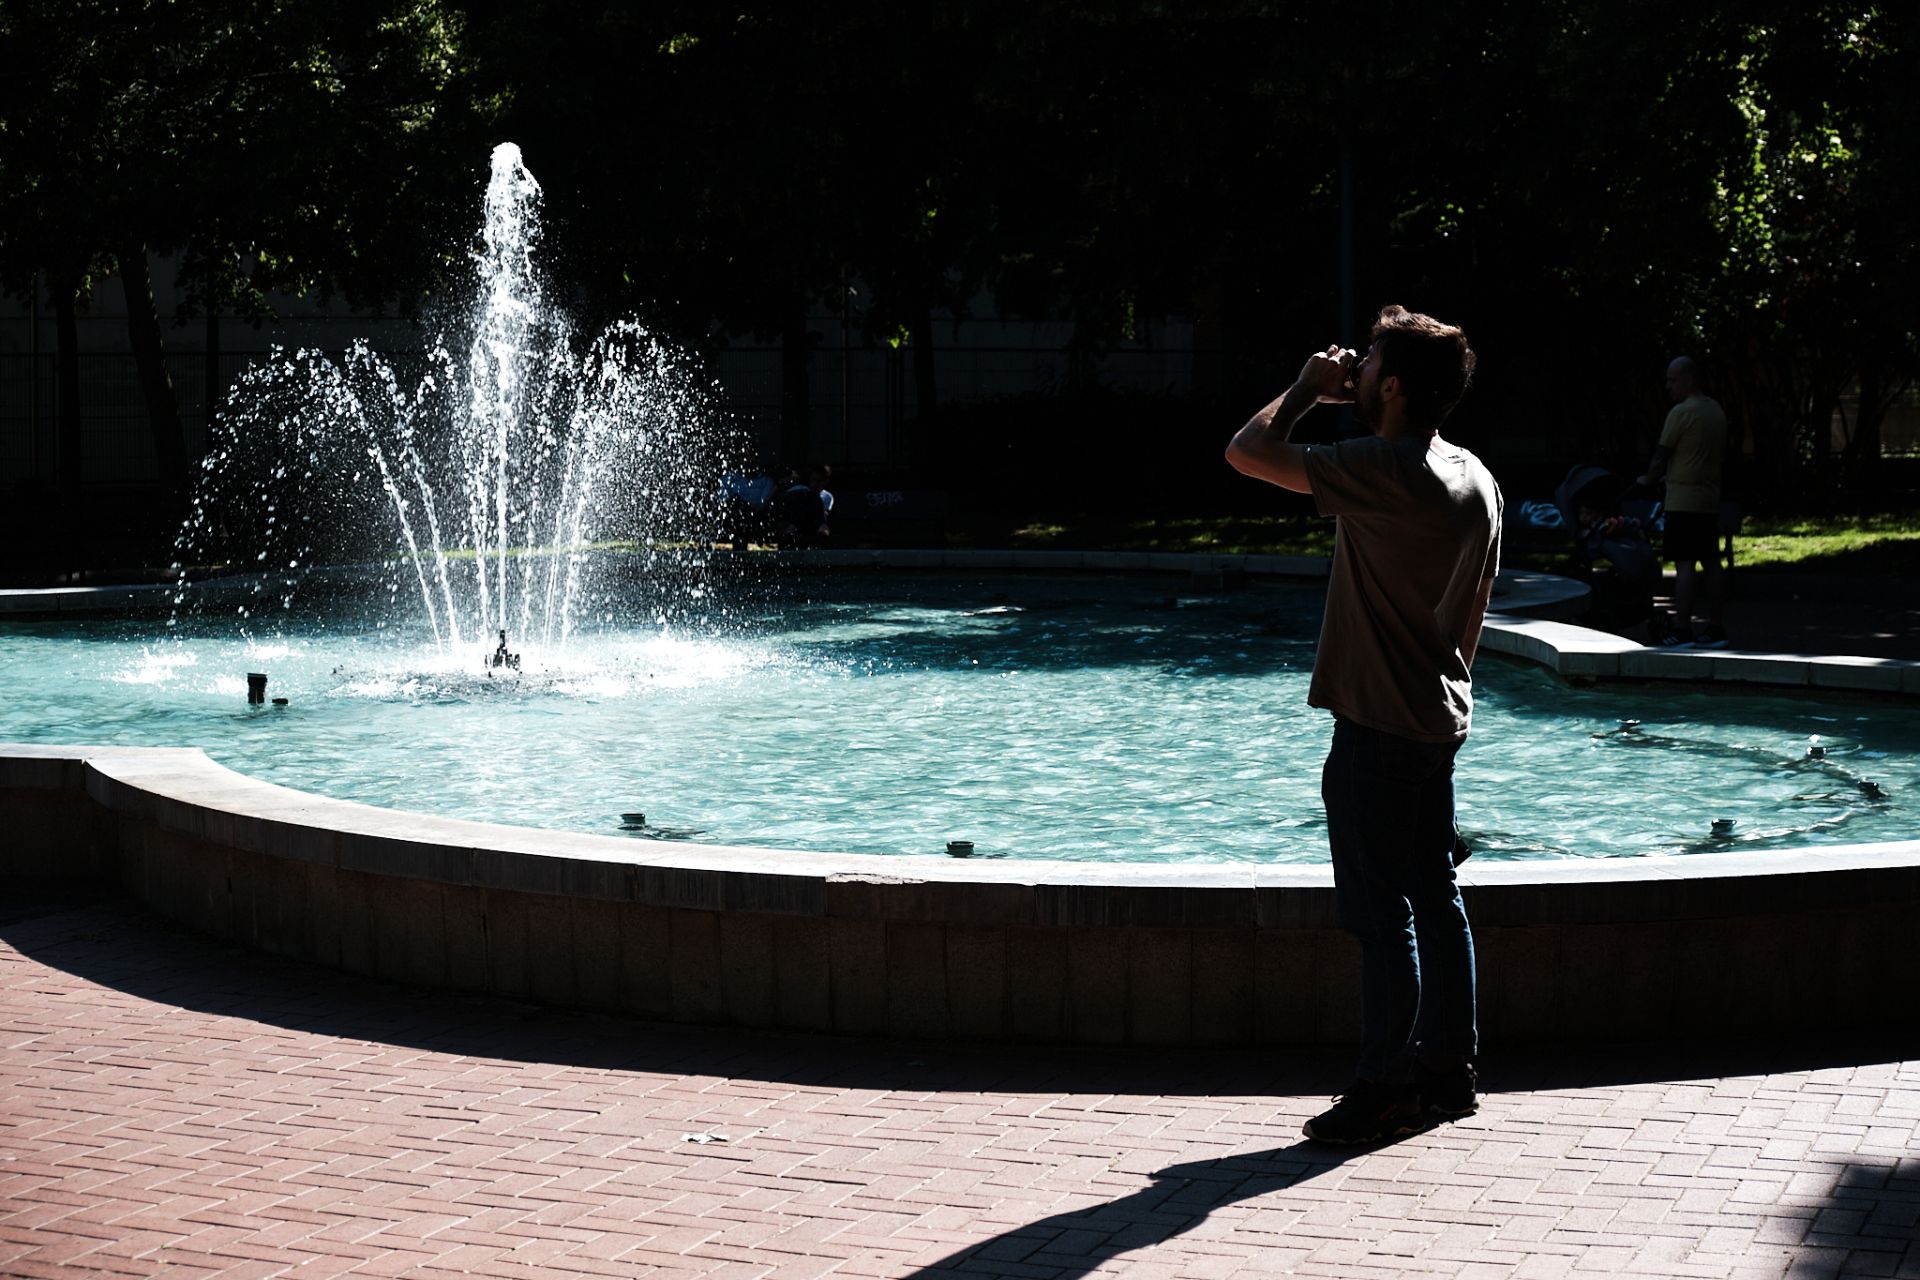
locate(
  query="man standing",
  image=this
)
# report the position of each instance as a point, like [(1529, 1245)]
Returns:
[(1416, 548), (1692, 449)]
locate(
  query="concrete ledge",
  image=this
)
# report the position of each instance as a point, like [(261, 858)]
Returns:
[(915, 946)]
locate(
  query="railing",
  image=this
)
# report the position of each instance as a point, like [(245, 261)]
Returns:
[(861, 397)]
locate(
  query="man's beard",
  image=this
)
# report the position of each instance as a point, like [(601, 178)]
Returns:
[(1366, 412)]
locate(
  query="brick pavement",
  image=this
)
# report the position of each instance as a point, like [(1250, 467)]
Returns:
[(172, 1106)]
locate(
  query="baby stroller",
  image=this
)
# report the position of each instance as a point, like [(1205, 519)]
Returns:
[(1611, 522)]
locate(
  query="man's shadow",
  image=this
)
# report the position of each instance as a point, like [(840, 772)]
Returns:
[(1179, 1199)]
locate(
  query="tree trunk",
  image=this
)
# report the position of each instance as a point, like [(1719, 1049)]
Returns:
[(149, 358), (796, 397), (1864, 449), (924, 388), (66, 288)]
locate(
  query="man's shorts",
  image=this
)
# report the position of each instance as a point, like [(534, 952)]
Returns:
[(1692, 536)]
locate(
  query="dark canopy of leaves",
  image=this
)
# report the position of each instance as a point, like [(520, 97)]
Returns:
[(1589, 185)]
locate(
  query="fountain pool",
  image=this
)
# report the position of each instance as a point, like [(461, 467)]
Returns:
[(1100, 718)]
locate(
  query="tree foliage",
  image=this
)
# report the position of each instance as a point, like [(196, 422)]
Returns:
[(1589, 185)]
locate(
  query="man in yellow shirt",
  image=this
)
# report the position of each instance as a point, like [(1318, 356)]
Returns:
[(1688, 459)]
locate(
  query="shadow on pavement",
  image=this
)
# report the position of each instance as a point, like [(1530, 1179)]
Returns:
[(1178, 1199)]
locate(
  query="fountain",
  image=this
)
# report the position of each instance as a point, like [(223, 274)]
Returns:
[(831, 817), (478, 486)]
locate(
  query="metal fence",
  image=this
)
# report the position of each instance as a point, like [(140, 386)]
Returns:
[(861, 398), (116, 442)]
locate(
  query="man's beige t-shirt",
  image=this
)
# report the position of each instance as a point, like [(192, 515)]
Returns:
[(1696, 431), (1417, 532)]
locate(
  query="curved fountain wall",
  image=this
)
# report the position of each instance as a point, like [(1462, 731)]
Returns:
[(930, 947)]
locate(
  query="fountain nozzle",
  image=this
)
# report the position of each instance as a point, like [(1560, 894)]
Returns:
[(501, 658)]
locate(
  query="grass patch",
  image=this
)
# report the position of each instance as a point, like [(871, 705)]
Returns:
[(1841, 544), (1830, 541), (1234, 535)]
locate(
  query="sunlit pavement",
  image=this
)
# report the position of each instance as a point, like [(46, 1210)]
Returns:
[(173, 1106)]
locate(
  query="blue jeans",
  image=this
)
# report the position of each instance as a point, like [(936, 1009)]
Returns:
[(1390, 826)]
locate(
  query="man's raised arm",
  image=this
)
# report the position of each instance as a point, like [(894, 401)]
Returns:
[(1262, 449)]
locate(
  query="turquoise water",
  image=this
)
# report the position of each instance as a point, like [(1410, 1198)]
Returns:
[(1109, 718)]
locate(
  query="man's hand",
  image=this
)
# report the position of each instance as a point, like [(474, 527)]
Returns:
[(1325, 374)]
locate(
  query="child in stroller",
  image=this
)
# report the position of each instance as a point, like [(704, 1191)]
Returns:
[(1610, 521)]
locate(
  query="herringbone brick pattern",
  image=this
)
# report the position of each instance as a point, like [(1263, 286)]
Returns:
[(170, 1106)]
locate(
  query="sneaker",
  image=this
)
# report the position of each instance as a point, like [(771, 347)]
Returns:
[(1676, 639), (1715, 638), (1450, 1090), (1371, 1111)]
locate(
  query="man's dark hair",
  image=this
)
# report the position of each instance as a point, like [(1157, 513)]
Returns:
[(1431, 359)]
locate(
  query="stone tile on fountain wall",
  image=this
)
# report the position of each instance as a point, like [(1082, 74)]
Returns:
[(802, 977), (1880, 942), (747, 962), (416, 859), (169, 867), (140, 802), (323, 913), (1097, 985), (1762, 668), (1052, 560), (1587, 662), (598, 881), (203, 880), (596, 952), (694, 970), (771, 892), (1305, 904), (1518, 974), (222, 819), (1290, 566), (1219, 907), (1159, 986), (410, 936), (870, 895), (1339, 958), (1036, 982), (976, 973), (302, 835), (679, 887), (550, 951), (1223, 985), (916, 974), (857, 974), (243, 894), (1115, 561), (981, 558), (1879, 675), (27, 768), (1081, 905), (53, 833), (646, 959), (353, 919), (1285, 986), (982, 903), (509, 961), (516, 872), (465, 911)]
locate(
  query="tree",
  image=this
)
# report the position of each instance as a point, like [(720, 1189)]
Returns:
[(277, 146)]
